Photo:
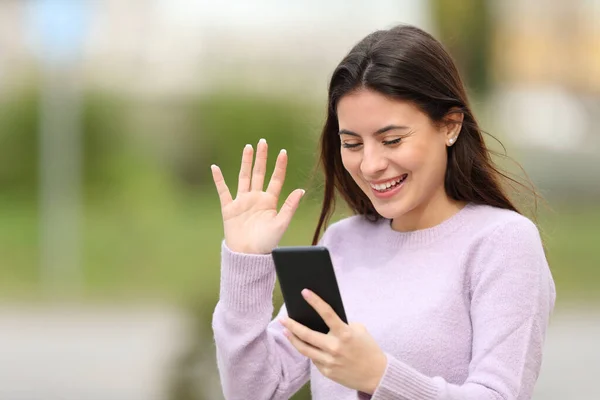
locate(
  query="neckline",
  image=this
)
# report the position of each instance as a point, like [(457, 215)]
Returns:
[(427, 236)]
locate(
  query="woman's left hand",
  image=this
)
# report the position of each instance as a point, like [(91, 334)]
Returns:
[(348, 354)]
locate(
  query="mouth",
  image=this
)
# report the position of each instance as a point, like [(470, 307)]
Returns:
[(388, 185)]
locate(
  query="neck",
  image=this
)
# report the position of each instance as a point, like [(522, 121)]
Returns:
[(438, 209)]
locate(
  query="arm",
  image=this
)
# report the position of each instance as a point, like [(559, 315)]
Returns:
[(512, 296), (255, 359), (252, 357)]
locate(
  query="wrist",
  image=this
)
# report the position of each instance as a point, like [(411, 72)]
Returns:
[(377, 376), (235, 248)]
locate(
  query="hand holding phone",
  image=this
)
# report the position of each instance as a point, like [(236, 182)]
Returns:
[(307, 267)]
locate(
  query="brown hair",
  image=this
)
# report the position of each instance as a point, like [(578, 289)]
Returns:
[(409, 64)]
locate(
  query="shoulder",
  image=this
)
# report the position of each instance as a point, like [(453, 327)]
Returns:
[(487, 223), (508, 253), (502, 241)]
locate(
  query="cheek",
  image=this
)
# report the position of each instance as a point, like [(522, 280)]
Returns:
[(423, 157), (412, 158), (430, 163)]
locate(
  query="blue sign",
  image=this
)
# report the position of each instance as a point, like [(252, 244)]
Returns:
[(59, 28)]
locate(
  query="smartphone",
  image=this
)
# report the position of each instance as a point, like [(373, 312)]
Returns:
[(307, 267)]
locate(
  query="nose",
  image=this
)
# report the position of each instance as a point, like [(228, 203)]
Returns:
[(373, 161)]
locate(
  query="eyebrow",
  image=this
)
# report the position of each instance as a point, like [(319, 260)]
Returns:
[(377, 132)]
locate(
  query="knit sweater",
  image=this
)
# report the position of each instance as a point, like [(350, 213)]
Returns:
[(460, 311)]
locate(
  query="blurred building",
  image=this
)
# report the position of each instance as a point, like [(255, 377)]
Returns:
[(549, 42), (174, 47), (177, 45), (547, 71)]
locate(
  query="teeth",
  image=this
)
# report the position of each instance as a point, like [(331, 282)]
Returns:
[(386, 185)]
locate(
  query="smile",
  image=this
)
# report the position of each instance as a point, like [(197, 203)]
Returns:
[(385, 186)]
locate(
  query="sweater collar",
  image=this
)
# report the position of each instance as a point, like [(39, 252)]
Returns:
[(425, 237)]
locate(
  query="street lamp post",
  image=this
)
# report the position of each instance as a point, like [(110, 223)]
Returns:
[(58, 28)]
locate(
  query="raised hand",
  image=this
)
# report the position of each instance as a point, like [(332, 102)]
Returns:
[(251, 222)]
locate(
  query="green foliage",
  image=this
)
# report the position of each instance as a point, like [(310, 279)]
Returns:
[(465, 28), (222, 124), (105, 134), (103, 127), (18, 142)]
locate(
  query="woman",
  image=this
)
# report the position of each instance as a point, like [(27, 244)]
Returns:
[(445, 283)]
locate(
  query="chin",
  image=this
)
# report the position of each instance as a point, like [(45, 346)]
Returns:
[(390, 211)]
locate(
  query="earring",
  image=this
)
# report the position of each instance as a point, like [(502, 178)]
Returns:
[(451, 140)]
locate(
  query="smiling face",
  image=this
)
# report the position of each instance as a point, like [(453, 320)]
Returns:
[(397, 156)]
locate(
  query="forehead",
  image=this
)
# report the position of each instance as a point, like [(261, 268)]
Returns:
[(364, 111)]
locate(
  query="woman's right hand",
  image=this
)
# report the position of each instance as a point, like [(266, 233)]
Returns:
[(251, 222)]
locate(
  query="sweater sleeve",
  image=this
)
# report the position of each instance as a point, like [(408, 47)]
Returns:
[(253, 356), (512, 295)]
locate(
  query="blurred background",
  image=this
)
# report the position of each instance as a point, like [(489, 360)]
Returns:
[(112, 111)]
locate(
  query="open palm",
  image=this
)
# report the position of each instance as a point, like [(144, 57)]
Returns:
[(251, 222)]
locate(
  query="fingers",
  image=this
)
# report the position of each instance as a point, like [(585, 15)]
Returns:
[(254, 178), (278, 176), (290, 206), (245, 170), (316, 355), (222, 189), (260, 166), (332, 320), (315, 339)]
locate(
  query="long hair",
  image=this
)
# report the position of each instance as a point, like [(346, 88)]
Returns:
[(408, 64)]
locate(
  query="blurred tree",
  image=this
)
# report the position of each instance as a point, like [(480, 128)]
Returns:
[(105, 140), (466, 27), (223, 123), (103, 130), (18, 142)]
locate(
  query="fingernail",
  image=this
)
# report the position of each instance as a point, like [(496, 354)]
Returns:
[(262, 141), (303, 191), (248, 146), (305, 293), (286, 333), (283, 151), (282, 320), (213, 166)]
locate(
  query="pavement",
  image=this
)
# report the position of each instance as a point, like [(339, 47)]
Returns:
[(88, 353), (571, 364)]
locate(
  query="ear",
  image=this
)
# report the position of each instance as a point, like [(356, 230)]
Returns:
[(453, 125)]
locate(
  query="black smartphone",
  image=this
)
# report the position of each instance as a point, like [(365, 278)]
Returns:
[(307, 267)]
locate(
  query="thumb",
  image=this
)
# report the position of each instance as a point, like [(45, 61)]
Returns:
[(289, 207)]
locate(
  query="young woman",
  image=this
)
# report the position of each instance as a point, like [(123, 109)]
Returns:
[(445, 283)]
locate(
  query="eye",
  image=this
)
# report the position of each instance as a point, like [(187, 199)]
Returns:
[(350, 145), (390, 142)]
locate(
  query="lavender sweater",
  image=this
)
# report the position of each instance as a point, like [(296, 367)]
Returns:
[(460, 310)]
